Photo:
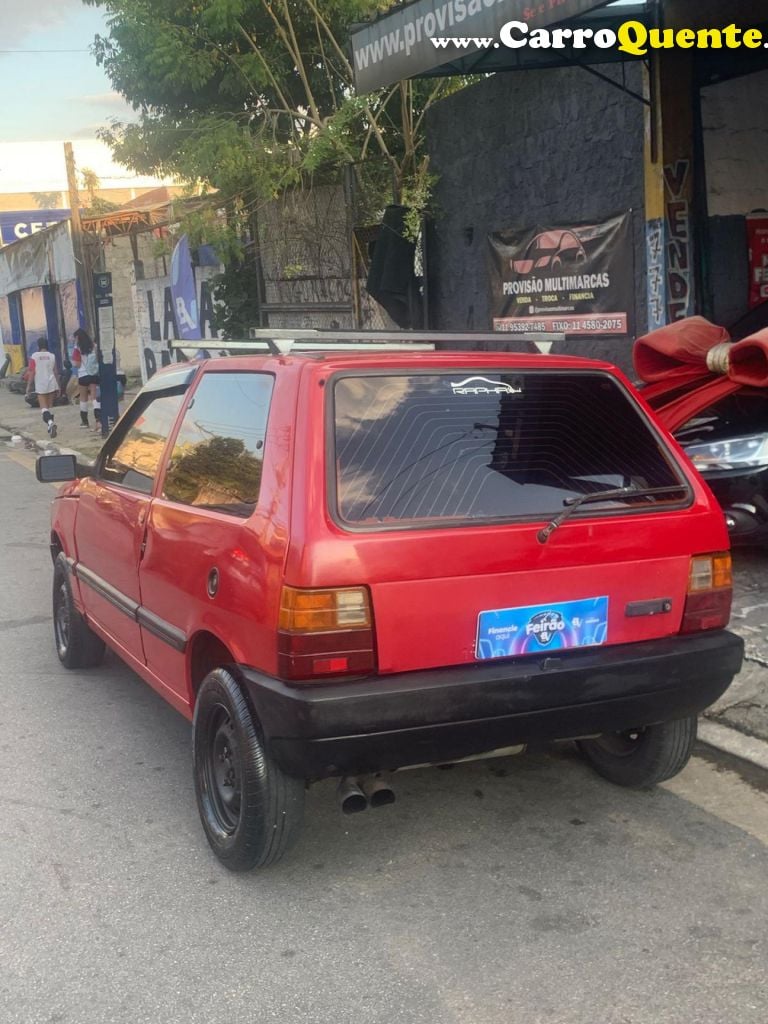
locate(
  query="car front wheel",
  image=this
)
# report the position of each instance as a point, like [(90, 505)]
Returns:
[(251, 810), (642, 758)]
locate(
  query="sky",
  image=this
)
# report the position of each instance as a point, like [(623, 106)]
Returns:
[(54, 96)]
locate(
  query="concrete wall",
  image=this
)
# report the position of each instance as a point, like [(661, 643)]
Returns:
[(523, 148), (118, 259), (735, 122), (735, 129)]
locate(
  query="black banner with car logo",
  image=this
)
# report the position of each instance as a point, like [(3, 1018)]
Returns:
[(574, 280)]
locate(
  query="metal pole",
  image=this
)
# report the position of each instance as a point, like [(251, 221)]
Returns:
[(84, 274)]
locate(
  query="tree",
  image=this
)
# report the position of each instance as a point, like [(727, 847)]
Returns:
[(251, 96), (90, 181), (46, 200)]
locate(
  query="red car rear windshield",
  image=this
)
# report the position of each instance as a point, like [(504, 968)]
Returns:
[(467, 446)]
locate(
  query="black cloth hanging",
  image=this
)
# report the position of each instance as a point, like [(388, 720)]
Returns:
[(392, 281)]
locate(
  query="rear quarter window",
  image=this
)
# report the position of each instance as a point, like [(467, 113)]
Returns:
[(473, 447)]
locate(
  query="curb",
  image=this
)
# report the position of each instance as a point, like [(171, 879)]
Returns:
[(46, 446), (736, 744)]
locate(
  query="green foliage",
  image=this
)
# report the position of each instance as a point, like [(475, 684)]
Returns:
[(236, 307), (248, 98)]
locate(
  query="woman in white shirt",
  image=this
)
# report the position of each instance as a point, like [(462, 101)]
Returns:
[(85, 359), (43, 379)]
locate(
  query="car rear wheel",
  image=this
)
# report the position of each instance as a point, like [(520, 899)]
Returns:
[(642, 758), (251, 810), (76, 644)]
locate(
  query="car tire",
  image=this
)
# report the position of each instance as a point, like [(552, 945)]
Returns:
[(251, 810), (642, 758), (76, 644)]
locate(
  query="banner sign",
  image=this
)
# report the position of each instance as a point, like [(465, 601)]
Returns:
[(399, 44), (564, 280), (18, 224), (183, 292), (542, 628), (757, 234)]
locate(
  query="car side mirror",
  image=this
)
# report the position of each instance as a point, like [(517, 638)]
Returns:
[(53, 469)]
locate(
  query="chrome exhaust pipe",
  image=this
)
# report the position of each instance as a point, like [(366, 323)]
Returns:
[(379, 792), (352, 799)]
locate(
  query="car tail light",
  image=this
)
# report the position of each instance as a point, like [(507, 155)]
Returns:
[(324, 633), (710, 592)]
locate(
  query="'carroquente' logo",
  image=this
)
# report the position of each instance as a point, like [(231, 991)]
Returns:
[(632, 37)]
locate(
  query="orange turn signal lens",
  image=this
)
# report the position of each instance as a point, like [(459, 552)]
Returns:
[(323, 611), (710, 572)]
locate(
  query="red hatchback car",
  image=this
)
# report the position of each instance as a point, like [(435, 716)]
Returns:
[(339, 565)]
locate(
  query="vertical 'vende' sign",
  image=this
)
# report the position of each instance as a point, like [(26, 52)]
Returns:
[(573, 280), (399, 44)]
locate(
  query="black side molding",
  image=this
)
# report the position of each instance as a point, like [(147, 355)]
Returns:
[(108, 592), (162, 629), (153, 623)]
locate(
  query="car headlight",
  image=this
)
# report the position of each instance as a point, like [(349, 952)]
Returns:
[(736, 453)]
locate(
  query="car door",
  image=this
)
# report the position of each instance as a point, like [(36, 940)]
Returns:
[(204, 564), (113, 509)]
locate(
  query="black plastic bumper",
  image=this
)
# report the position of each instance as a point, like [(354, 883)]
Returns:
[(442, 715)]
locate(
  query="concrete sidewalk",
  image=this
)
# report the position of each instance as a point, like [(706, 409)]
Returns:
[(745, 705), (16, 417), (742, 712)]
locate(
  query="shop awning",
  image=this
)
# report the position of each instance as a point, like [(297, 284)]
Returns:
[(398, 44)]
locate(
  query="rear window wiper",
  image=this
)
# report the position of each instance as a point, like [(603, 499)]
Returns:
[(617, 494)]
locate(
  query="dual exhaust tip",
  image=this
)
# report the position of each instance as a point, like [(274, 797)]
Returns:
[(356, 795)]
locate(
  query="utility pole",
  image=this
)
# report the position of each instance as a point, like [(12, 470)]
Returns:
[(83, 268)]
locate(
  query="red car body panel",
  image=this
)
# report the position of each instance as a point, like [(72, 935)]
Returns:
[(428, 584)]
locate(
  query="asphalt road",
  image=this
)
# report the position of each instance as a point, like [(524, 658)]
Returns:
[(524, 890)]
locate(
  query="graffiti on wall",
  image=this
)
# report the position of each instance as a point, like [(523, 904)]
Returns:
[(679, 242), (657, 295), (156, 321)]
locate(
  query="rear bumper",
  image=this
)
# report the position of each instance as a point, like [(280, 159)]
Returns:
[(442, 715)]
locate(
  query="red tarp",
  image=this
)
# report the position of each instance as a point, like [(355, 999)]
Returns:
[(691, 364)]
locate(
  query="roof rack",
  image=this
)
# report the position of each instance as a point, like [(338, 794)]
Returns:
[(282, 341)]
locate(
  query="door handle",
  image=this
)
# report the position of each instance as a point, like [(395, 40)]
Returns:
[(142, 518)]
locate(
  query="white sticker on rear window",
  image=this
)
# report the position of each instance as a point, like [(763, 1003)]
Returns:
[(483, 386)]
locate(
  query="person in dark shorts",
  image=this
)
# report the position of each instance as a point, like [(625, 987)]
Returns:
[(85, 359)]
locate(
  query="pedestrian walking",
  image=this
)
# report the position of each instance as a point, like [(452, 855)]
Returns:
[(85, 359), (43, 379)]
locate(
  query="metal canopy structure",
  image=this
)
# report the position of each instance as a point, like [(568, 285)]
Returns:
[(126, 222), (383, 52)]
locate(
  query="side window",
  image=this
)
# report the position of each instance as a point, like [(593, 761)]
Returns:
[(133, 459), (216, 462)]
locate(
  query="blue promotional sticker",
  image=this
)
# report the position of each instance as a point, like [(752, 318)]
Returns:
[(508, 632)]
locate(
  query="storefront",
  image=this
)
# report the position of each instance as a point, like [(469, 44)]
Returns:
[(38, 294), (676, 139)]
